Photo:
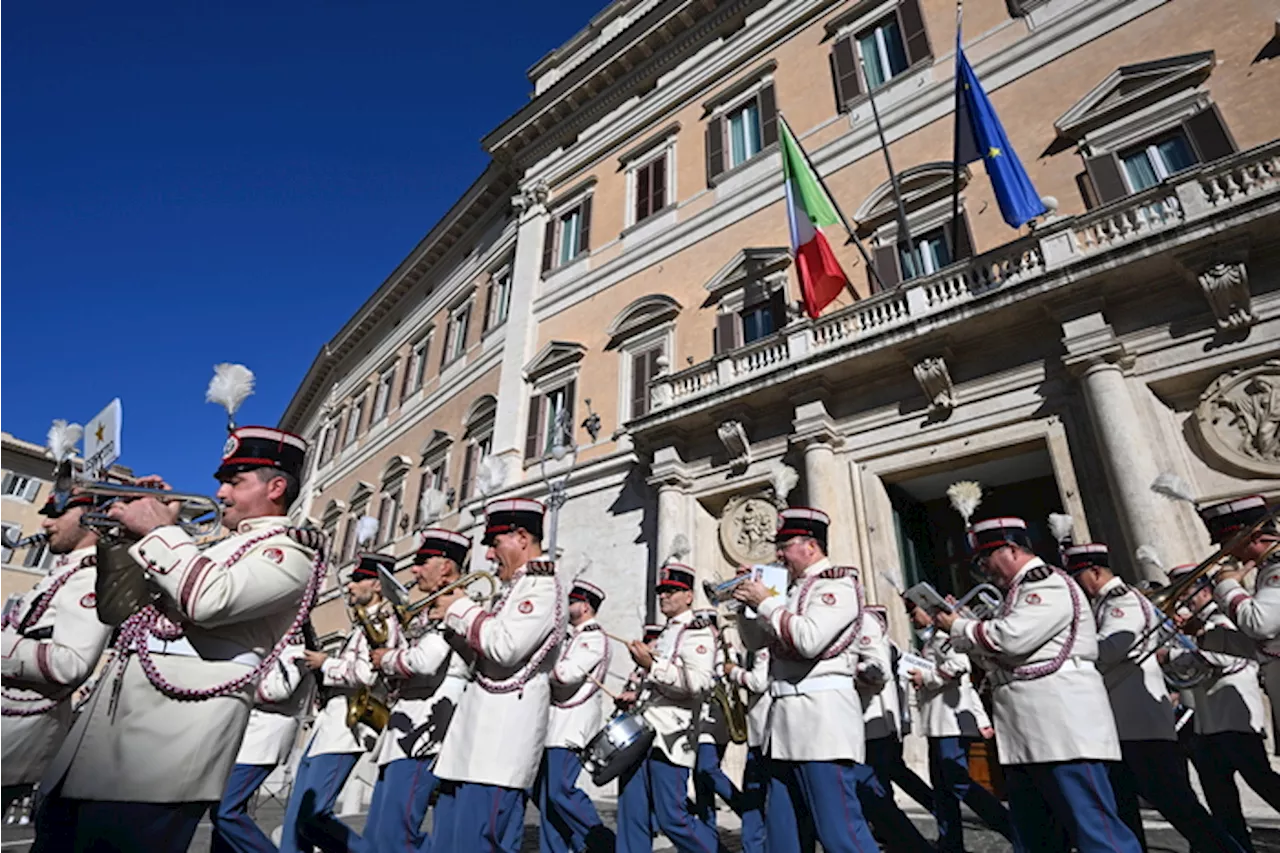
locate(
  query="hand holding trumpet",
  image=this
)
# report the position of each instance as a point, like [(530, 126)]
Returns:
[(142, 515)]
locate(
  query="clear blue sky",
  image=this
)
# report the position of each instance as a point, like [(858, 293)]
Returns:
[(190, 183)]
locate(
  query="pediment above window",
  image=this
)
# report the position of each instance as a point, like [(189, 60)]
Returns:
[(396, 466), (641, 315), (920, 185), (436, 443), (748, 267), (556, 355), (1132, 87), (360, 494)]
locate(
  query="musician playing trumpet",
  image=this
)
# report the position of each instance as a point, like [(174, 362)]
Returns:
[(1152, 765)]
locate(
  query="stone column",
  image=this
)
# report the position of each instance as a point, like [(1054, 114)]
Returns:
[(522, 333), (669, 478), (1100, 361), (826, 483)]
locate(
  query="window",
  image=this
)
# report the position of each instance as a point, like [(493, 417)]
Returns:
[(931, 254), (744, 133), (18, 486), (477, 450), (349, 539), (12, 532), (758, 322), (741, 131), (544, 414), (382, 397), (479, 443), (650, 187), (389, 513), (644, 335), (498, 299), (1150, 164), (568, 235), (455, 343), (867, 57), (329, 440), (416, 369), (645, 365), (353, 421)]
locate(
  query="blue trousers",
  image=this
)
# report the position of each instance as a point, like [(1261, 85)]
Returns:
[(569, 820), (100, 826), (480, 818), (815, 801), (708, 781), (1064, 803), (1157, 771), (891, 768), (875, 792), (233, 830), (1218, 758), (398, 806), (952, 785), (656, 786), (309, 821), (755, 782)]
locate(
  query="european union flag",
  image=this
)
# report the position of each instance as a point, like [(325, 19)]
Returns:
[(979, 136)]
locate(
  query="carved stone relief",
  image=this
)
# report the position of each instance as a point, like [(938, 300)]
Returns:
[(935, 381), (734, 438), (747, 529), (1238, 418), (1226, 287)]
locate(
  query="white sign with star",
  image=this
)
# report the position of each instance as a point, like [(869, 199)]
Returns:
[(102, 440)]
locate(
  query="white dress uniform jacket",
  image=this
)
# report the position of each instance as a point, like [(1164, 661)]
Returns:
[(1050, 701), (754, 676), (575, 699), (877, 688), (1139, 698), (1230, 700), (677, 684), (1258, 617), (433, 673), (949, 704), (283, 695), (45, 659), (500, 729), (161, 749), (344, 674), (812, 667)]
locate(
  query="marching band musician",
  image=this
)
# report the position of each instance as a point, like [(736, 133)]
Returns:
[(952, 716), (1152, 765), (51, 645), (753, 676), (432, 676), (815, 730), (569, 819), (1229, 721), (495, 744), (1053, 722), (678, 675), (335, 747), (110, 784), (283, 695), (878, 694)]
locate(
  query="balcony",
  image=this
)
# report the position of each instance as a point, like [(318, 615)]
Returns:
[(1045, 259)]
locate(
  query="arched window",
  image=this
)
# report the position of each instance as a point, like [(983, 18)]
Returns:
[(926, 197), (643, 333), (391, 519), (358, 500), (478, 441)]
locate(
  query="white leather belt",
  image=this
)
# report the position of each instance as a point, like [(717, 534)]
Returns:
[(812, 684), (221, 652)]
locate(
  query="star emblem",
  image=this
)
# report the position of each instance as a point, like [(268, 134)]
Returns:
[(993, 151), (772, 591), (99, 432)]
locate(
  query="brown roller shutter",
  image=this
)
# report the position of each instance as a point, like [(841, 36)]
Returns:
[(844, 68), (533, 442), (549, 246), (887, 266), (964, 239), (642, 370), (778, 308), (913, 33), (642, 193), (1104, 172), (584, 227), (768, 116), (728, 331), (658, 184), (1209, 135), (715, 149)]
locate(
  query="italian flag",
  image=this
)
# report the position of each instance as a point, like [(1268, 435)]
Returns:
[(810, 210)]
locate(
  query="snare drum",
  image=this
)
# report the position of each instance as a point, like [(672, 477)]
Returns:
[(620, 745)]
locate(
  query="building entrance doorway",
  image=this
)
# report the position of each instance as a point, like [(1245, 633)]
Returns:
[(1016, 481)]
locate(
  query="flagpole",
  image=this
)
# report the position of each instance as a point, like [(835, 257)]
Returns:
[(844, 220), (955, 143), (904, 230)]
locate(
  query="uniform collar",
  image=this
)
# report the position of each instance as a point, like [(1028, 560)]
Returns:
[(682, 619), (1033, 563), (73, 559), (818, 567), (578, 629), (1110, 585), (262, 522)]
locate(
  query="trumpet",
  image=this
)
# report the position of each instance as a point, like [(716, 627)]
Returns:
[(34, 539), (407, 612), (200, 515)]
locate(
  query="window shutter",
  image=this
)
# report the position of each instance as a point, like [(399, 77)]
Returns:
[(728, 331), (488, 305), (584, 227), (640, 377), (914, 36), (468, 471), (1104, 172), (778, 307), (768, 116), (549, 245), (887, 266), (1209, 135), (642, 192), (533, 441), (8, 481), (33, 489), (568, 407), (844, 69), (1085, 185), (964, 239), (715, 149), (658, 184)]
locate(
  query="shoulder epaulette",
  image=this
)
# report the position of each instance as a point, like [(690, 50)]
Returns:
[(838, 572), (594, 626), (541, 568), (88, 561), (308, 537), (1039, 573), (1122, 589), (700, 622)]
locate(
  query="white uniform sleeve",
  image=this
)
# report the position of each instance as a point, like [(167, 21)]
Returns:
[(424, 656), (832, 607), (1041, 611), (352, 667), (1257, 615), (755, 679), (580, 658), (1119, 628), (690, 670), (873, 665), (70, 654), (509, 638), (282, 679)]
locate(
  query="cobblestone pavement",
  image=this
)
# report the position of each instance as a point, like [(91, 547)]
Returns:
[(1160, 837)]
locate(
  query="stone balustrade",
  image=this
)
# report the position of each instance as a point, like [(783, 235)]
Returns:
[(1191, 195)]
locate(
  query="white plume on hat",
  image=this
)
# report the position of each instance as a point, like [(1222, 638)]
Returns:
[(431, 505), (63, 438), (965, 495), (366, 529), (1148, 557), (783, 480), (491, 474), (1173, 487), (1062, 526), (680, 548), (230, 385)]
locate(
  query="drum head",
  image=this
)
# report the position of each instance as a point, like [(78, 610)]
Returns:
[(624, 758)]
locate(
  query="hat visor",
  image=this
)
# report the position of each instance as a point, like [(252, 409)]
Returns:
[(673, 585)]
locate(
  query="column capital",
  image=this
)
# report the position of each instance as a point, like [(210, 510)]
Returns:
[(813, 424), (1091, 344), (531, 200), (668, 471)]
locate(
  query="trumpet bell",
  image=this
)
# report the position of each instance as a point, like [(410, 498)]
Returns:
[(367, 709)]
